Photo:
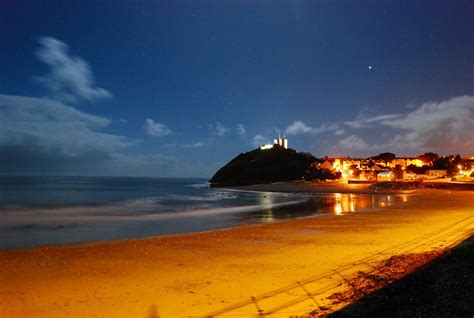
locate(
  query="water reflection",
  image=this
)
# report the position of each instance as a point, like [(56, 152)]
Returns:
[(346, 203), (337, 204), (266, 201)]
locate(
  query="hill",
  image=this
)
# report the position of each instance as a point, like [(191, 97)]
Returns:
[(263, 166)]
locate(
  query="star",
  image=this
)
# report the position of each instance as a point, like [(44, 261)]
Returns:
[(370, 67)]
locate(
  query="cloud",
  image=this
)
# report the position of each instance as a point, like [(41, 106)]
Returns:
[(218, 129), (43, 136), (444, 127), (355, 143), (70, 78), (197, 144), (155, 129), (300, 128), (340, 132), (240, 129), (39, 135), (260, 140), (364, 122)]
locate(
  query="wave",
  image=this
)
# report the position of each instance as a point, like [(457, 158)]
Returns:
[(65, 215), (204, 185)]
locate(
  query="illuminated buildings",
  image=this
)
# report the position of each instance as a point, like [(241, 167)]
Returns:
[(370, 169), (282, 142)]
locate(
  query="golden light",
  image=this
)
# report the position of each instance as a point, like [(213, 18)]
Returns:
[(338, 206), (266, 202), (266, 147)]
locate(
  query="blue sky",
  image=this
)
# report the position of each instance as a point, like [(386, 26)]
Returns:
[(178, 88)]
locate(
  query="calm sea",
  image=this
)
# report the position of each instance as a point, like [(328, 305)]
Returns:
[(59, 210)]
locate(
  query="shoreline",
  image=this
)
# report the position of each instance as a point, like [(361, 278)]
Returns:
[(303, 203), (383, 187), (197, 273)]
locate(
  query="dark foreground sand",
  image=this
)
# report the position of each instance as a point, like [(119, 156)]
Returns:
[(444, 288), (281, 268)]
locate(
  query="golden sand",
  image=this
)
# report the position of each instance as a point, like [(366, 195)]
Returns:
[(200, 273)]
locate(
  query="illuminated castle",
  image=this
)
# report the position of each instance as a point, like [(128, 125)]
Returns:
[(282, 142)]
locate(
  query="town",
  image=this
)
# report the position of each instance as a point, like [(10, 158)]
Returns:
[(388, 167)]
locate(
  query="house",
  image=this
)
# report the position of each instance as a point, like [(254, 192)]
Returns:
[(407, 175), (326, 165), (433, 173), (385, 176)]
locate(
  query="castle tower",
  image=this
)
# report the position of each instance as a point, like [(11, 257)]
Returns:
[(285, 142)]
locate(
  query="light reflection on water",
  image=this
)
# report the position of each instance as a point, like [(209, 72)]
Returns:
[(347, 203), (338, 204)]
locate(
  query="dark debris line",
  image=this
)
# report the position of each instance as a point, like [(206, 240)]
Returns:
[(444, 289)]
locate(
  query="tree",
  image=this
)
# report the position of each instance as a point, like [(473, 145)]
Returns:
[(385, 157), (355, 171), (398, 172), (428, 157), (441, 163), (453, 165), (417, 170), (315, 173)]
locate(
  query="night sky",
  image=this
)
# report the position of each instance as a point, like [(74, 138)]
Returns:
[(178, 88)]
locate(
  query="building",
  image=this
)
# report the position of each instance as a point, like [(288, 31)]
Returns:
[(432, 173), (326, 165), (385, 176), (405, 162), (282, 142)]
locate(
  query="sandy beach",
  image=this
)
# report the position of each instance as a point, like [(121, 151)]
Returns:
[(218, 272)]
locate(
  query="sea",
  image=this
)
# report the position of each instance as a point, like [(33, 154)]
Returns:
[(45, 210)]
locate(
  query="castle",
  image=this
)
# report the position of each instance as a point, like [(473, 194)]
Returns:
[(282, 142)]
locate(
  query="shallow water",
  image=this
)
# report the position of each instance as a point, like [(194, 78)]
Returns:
[(37, 211)]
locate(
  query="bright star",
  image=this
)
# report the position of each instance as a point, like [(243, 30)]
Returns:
[(370, 67)]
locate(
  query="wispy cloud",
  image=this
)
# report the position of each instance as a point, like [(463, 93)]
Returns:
[(39, 134), (260, 140), (70, 78), (218, 129), (444, 127), (363, 121), (240, 130), (155, 129), (356, 143), (300, 128), (197, 144)]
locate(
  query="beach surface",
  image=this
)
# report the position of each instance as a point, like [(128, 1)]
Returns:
[(281, 269)]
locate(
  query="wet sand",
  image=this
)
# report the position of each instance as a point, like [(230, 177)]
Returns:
[(201, 273), (356, 187)]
